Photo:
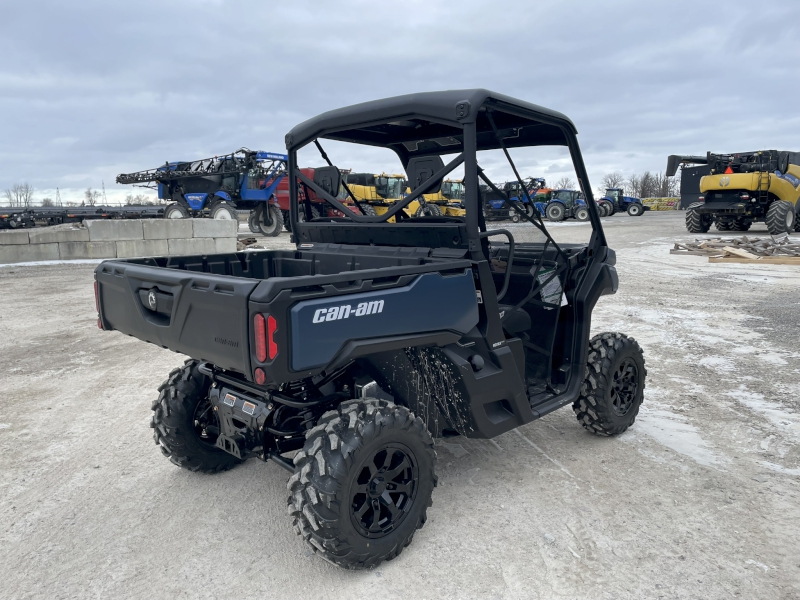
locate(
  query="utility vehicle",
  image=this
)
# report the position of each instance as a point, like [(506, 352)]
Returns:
[(744, 188), (298, 351)]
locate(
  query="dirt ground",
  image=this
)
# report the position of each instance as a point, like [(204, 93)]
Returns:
[(699, 499)]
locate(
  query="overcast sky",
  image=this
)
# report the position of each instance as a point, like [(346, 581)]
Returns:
[(90, 89)]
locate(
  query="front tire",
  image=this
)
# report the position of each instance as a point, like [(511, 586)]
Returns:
[(613, 388), (429, 210), (184, 424), (724, 225), (695, 222), (363, 483), (780, 217), (582, 214), (635, 210), (176, 211), (555, 212), (222, 211)]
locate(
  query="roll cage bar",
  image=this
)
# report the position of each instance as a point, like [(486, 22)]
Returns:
[(438, 123)]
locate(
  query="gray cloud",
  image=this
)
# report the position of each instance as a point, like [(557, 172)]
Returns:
[(92, 89)]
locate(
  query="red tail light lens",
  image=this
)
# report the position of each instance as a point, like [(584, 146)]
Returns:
[(259, 323), (272, 327), (701, 198)]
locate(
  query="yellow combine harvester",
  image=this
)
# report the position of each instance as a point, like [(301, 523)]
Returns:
[(744, 188), (379, 192)]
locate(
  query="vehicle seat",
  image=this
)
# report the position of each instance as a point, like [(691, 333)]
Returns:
[(514, 320)]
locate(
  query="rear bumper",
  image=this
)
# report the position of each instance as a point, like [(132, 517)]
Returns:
[(723, 208)]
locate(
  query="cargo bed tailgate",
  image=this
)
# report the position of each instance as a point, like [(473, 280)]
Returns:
[(202, 315)]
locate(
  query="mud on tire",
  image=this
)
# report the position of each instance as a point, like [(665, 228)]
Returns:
[(613, 388), (362, 483), (185, 426)]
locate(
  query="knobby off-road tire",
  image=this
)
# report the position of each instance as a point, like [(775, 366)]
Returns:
[(695, 222), (741, 224), (252, 222), (429, 210), (275, 226), (363, 483), (780, 217), (184, 424), (724, 225), (613, 388)]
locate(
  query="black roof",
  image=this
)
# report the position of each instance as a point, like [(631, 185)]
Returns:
[(431, 123)]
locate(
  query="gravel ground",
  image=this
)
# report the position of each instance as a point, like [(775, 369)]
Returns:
[(699, 499)]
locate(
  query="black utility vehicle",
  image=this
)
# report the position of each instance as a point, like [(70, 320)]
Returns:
[(289, 348)]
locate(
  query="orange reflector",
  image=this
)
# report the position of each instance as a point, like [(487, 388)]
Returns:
[(261, 337), (272, 327)]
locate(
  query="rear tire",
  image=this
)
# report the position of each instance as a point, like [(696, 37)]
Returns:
[(275, 227), (555, 212), (252, 222), (368, 210), (582, 214), (362, 483), (743, 224), (724, 225), (176, 211), (610, 208), (613, 388), (184, 424), (429, 210), (301, 214), (780, 217), (695, 222)]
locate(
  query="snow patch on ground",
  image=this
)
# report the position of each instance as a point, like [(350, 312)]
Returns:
[(676, 433), (775, 412)]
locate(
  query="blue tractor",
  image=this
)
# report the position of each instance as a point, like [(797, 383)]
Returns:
[(615, 201), (566, 204), (218, 187), (495, 207)]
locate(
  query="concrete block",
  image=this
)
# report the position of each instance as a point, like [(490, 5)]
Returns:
[(225, 245), (165, 229), (135, 248), (76, 250), (28, 253), (14, 237), (213, 228), (192, 246), (101, 231), (49, 236)]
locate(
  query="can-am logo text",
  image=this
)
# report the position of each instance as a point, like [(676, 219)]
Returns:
[(346, 311)]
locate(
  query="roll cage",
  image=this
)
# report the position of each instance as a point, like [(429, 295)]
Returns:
[(432, 124)]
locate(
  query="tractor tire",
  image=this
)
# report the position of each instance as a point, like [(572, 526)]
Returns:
[(275, 227), (780, 217), (555, 212), (429, 210), (515, 218), (368, 210), (222, 211), (695, 222), (287, 220), (363, 483), (635, 210), (185, 426), (530, 210), (741, 224), (582, 214), (301, 214), (252, 222), (176, 211), (613, 388), (602, 209), (610, 208), (724, 225)]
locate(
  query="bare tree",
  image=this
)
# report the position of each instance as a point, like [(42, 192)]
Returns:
[(138, 199), (47, 202), (612, 180), (20, 194), (565, 183), (91, 196)]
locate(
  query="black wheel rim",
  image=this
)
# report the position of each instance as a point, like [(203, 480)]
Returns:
[(383, 491), (206, 423), (624, 387)]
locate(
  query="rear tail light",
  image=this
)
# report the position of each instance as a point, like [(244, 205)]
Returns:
[(745, 196), (259, 324), (701, 198), (272, 327)]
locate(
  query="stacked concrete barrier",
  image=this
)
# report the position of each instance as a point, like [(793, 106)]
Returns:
[(662, 203), (119, 239)]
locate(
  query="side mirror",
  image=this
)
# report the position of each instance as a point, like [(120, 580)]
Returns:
[(420, 169), (329, 179)]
